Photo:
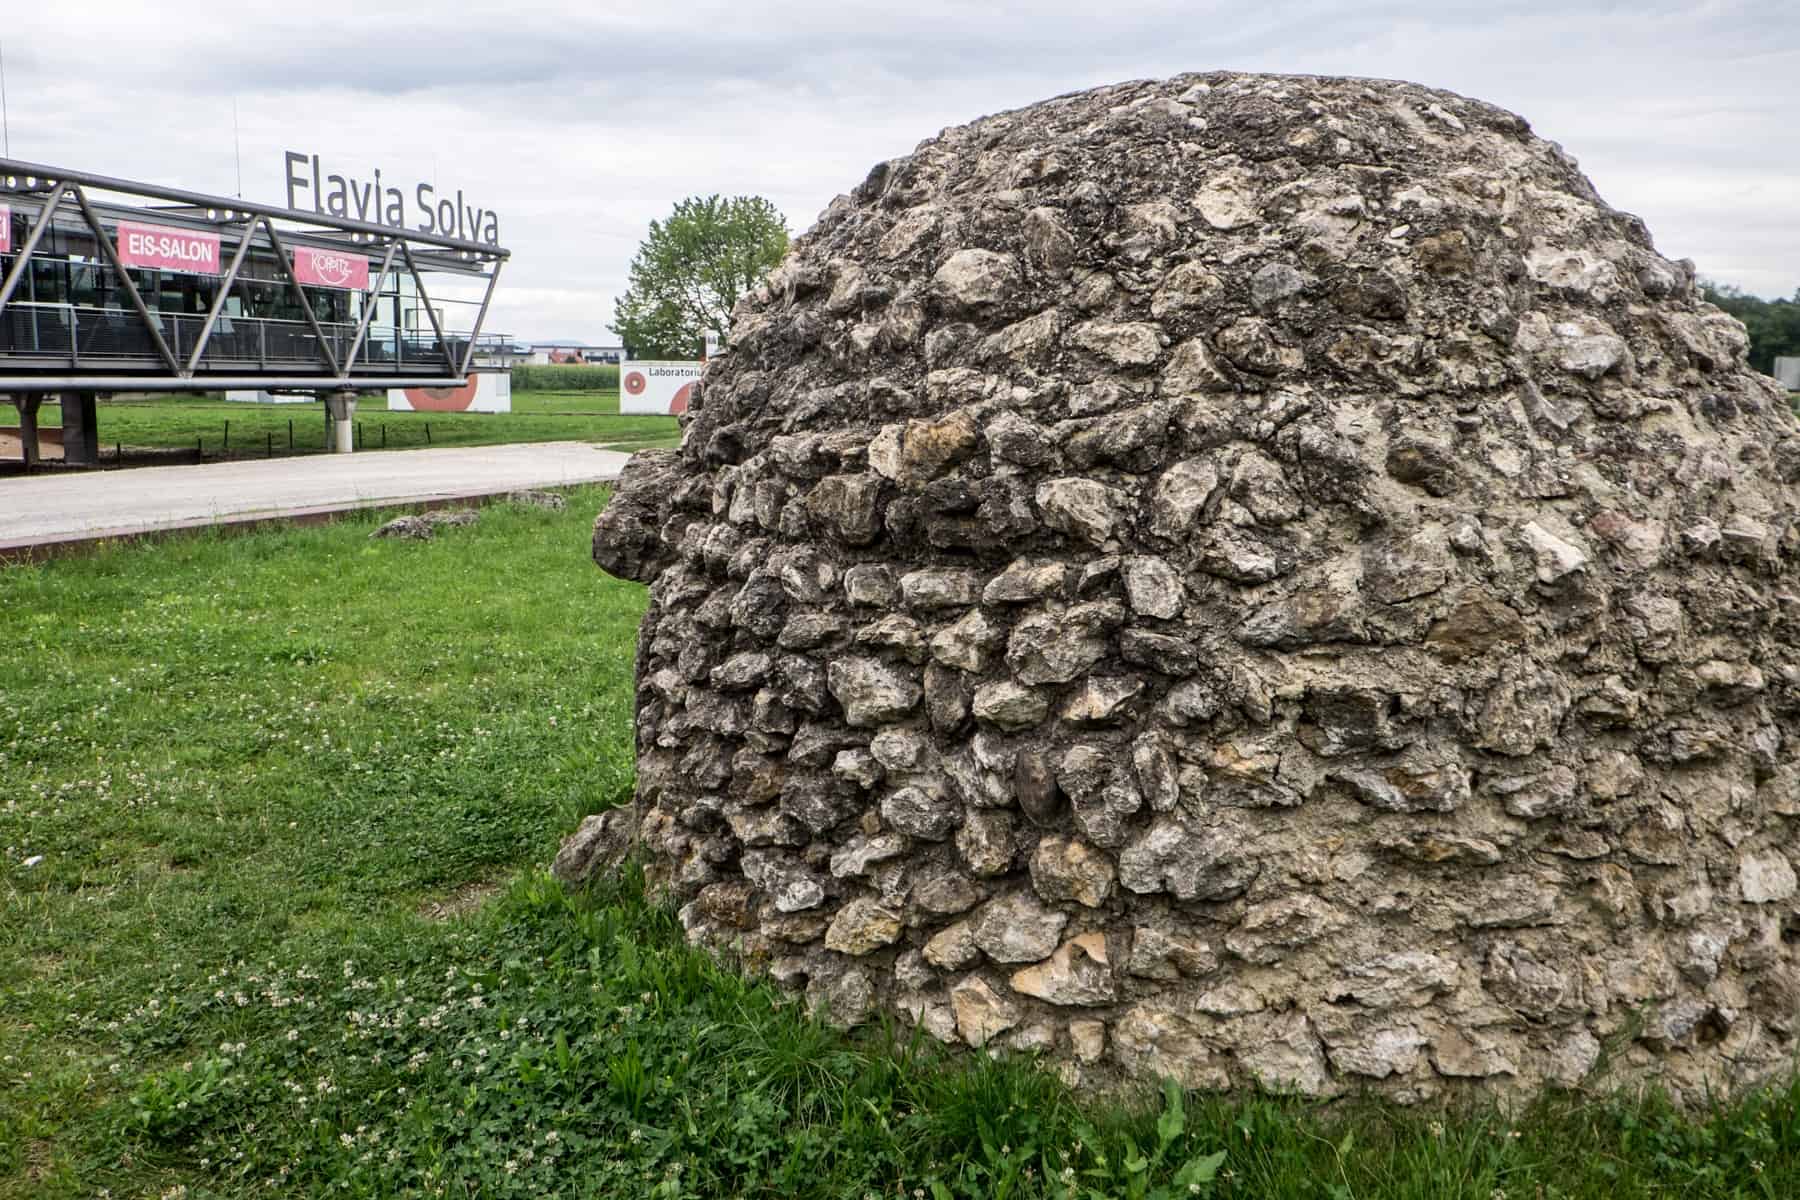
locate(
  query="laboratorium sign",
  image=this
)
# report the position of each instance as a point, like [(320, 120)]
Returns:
[(424, 209), (165, 249)]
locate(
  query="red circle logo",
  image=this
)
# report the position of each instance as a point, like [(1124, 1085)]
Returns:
[(679, 403), (635, 383)]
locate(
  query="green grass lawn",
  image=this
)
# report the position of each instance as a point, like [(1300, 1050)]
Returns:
[(181, 422), (286, 797)]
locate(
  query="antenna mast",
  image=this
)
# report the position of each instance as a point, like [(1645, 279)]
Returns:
[(5, 123)]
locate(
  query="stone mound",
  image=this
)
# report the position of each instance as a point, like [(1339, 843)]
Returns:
[(1256, 579)]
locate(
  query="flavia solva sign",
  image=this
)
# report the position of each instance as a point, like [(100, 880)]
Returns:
[(309, 186)]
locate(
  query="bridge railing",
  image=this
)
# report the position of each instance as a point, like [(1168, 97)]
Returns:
[(71, 335)]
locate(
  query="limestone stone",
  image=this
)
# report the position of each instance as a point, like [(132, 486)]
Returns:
[(1153, 587), (953, 948), (1082, 508), (934, 588), (1017, 440), (1101, 700), (862, 852), (872, 692), (846, 505), (920, 812), (1231, 1000), (946, 700), (1275, 565), (1190, 864), (861, 926), (1159, 954), (975, 279), (967, 644), (1379, 1052), (1017, 928), (945, 893), (599, 845), (1765, 878), (1272, 929), (1088, 1040), (1288, 1057), (871, 586), (1154, 1042), (985, 841), (982, 1014), (1069, 869), (1135, 344), (1010, 706), (842, 997), (1025, 580), (1404, 979), (1471, 1054), (1077, 974), (1044, 648)]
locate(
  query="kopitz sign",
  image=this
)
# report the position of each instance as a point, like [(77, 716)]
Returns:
[(168, 249), (331, 268)]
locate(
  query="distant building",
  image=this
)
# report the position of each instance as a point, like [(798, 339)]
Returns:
[(1787, 370), (575, 353), (501, 353)]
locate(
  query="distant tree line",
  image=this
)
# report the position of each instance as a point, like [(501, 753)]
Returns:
[(1774, 325)]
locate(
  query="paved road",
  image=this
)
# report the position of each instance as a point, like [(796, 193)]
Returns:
[(46, 510)]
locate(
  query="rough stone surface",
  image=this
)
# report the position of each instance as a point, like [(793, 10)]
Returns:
[(1268, 580), (600, 843), (424, 526)]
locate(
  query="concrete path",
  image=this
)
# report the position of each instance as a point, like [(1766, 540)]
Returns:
[(43, 511)]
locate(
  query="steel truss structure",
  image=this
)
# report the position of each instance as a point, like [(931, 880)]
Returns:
[(58, 193)]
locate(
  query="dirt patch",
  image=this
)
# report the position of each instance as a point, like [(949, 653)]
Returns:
[(38, 1160), (461, 902), (49, 444)]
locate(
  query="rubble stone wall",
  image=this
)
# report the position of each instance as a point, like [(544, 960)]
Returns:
[(1255, 579)]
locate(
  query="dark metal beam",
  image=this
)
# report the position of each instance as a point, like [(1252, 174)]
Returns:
[(436, 326), (237, 261), (480, 319), (287, 264), (369, 303), (26, 247), (137, 301), (57, 175)]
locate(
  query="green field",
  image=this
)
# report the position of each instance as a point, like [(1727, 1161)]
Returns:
[(219, 427), (285, 798)]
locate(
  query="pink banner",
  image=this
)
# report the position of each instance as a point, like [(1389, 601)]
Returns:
[(5, 229), (168, 249), (331, 268)]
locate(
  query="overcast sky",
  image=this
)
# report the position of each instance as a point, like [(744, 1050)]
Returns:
[(581, 122)]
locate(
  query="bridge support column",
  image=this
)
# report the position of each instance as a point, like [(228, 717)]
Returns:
[(340, 421), (27, 404), (81, 434)]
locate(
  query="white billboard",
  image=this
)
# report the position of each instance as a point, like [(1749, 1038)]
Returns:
[(486, 391), (657, 387)]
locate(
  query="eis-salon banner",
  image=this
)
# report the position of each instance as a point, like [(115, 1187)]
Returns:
[(164, 249)]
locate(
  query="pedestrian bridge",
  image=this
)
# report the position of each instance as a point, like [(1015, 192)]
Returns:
[(110, 285)]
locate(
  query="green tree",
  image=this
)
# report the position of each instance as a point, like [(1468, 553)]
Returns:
[(692, 268)]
